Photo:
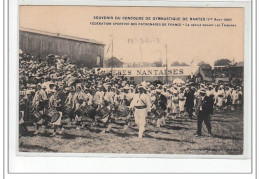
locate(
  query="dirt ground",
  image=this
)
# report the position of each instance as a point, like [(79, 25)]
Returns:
[(176, 137)]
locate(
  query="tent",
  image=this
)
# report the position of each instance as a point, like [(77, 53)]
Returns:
[(178, 81)]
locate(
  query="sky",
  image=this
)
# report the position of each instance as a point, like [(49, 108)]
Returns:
[(184, 43)]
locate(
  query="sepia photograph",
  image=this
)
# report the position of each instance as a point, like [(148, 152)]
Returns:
[(131, 80)]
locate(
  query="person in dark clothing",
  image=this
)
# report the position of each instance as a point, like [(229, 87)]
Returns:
[(160, 107), (189, 104), (204, 110)]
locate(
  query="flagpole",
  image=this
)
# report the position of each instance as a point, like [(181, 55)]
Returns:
[(112, 51), (112, 55), (166, 65), (141, 60)]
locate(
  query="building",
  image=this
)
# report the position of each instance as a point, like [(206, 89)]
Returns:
[(229, 73), (236, 73), (113, 62), (85, 52), (205, 74), (220, 74)]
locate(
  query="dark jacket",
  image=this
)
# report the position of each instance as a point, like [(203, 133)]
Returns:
[(189, 98), (161, 102), (206, 104)]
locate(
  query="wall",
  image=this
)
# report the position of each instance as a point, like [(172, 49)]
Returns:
[(85, 54), (218, 80)]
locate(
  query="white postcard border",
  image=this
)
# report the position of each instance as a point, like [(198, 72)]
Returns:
[(54, 162)]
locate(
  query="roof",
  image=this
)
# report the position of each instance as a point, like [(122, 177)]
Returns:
[(207, 73), (114, 59), (240, 64), (61, 36), (115, 62), (220, 66)]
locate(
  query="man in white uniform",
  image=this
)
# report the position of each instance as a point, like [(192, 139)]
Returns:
[(142, 105), (99, 96)]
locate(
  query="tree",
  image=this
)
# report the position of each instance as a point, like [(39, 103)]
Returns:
[(222, 62), (183, 64), (176, 63), (158, 64), (204, 65)]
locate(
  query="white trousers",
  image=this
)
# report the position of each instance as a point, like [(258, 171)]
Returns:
[(181, 105), (220, 101), (140, 120)]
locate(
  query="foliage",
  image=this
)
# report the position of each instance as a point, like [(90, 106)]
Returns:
[(204, 65), (222, 62), (176, 63)]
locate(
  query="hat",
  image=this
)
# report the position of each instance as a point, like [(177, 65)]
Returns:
[(67, 88), (141, 86), (86, 88), (126, 87), (202, 90), (53, 91), (72, 89), (174, 92), (50, 55), (158, 91), (29, 92)]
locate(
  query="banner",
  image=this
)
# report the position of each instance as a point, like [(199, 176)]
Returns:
[(152, 71)]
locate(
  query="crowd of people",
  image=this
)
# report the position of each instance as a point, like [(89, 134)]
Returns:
[(55, 92)]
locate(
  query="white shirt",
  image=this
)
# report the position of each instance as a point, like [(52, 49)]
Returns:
[(109, 96), (98, 97), (202, 98), (141, 100)]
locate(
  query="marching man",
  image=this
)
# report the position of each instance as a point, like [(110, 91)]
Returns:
[(141, 105), (204, 110)]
